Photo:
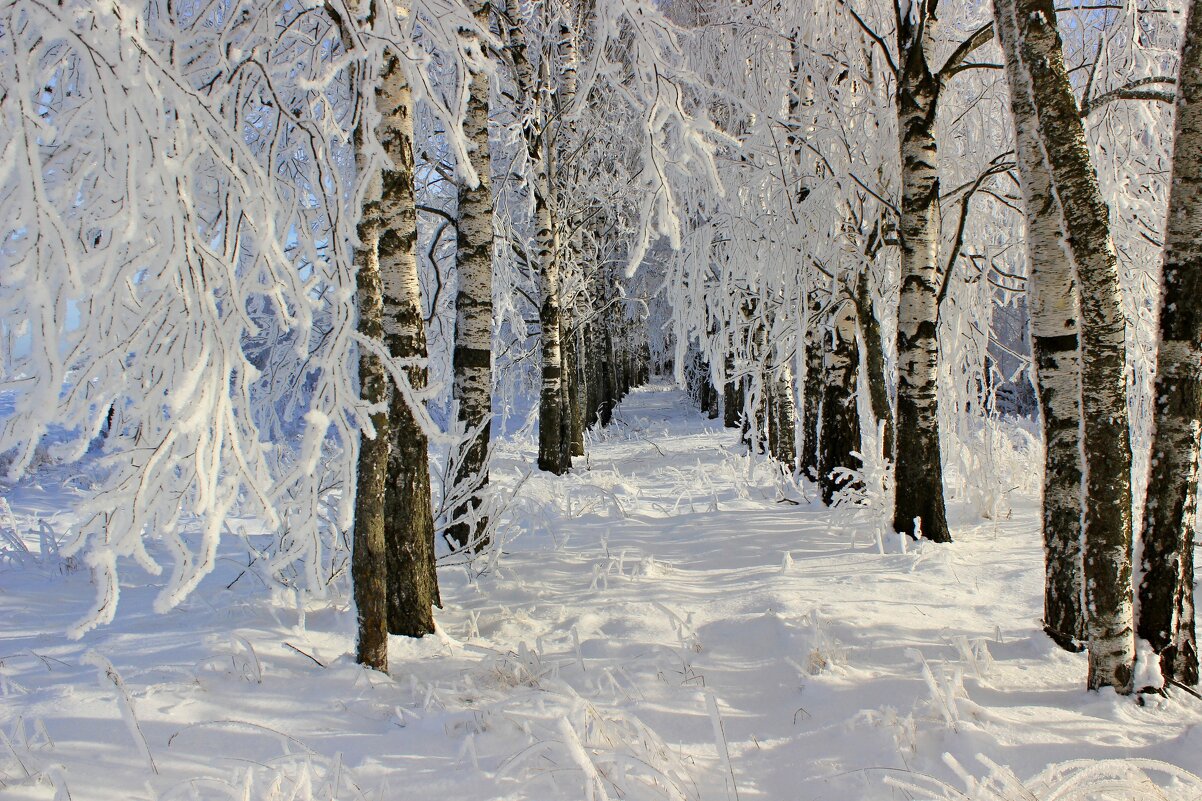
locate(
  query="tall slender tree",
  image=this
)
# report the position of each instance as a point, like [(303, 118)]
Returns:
[(472, 356), (369, 566), (1166, 588), (1054, 310), (408, 518), (1106, 439), (919, 463)]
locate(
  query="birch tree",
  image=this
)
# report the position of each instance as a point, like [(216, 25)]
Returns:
[(1106, 442), (919, 465), (369, 559), (472, 355), (1166, 587), (1054, 310), (840, 417)]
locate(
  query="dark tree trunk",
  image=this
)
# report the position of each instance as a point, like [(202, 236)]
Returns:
[(575, 433), (874, 361), (609, 381), (712, 399), (1166, 589), (593, 375), (840, 417), (811, 401), (732, 404), (369, 571)]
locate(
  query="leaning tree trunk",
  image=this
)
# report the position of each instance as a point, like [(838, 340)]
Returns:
[(1055, 347), (919, 464), (1166, 590), (369, 571), (472, 357), (840, 416), (409, 523), (1106, 437)]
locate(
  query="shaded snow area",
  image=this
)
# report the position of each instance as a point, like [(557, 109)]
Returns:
[(675, 621)]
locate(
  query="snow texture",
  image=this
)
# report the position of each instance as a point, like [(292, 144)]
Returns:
[(642, 638)]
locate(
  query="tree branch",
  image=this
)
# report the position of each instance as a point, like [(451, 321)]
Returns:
[(870, 191), (997, 167), (958, 60), (1132, 91), (871, 34), (446, 215)]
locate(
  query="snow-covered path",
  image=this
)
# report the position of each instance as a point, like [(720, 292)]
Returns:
[(675, 620)]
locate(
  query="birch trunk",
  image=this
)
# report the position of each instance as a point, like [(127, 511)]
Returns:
[(811, 395), (592, 375), (574, 416), (874, 361), (712, 405), (1052, 293), (472, 356), (700, 372), (552, 448), (609, 380), (760, 436), (1166, 602), (919, 463), (369, 571), (783, 421), (553, 454), (840, 417), (409, 523), (732, 404), (1106, 437)]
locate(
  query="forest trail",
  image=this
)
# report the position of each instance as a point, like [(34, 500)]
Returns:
[(668, 577)]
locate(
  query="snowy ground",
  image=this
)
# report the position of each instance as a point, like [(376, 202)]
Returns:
[(671, 626)]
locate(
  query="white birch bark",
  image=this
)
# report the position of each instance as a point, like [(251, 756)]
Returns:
[(472, 357), (1054, 309), (1106, 436), (919, 463), (553, 446), (840, 416)]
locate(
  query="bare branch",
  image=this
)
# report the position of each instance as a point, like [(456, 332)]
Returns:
[(958, 61), (1132, 91), (870, 191), (873, 35), (997, 167)]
